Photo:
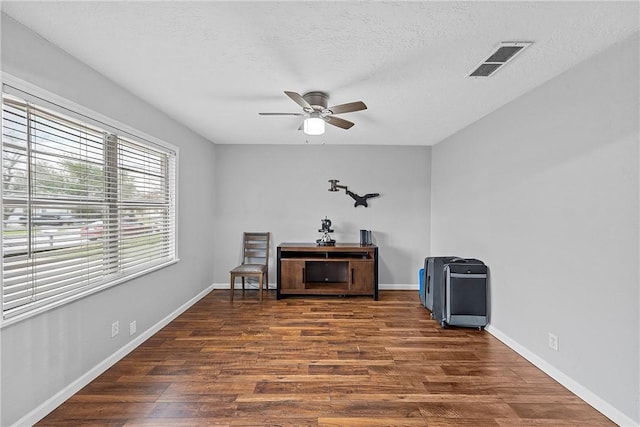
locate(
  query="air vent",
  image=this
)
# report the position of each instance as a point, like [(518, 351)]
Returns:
[(504, 53)]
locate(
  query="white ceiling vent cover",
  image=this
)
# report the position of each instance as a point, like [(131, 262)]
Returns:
[(502, 54)]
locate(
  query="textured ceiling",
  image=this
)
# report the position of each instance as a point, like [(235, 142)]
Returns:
[(214, 65)]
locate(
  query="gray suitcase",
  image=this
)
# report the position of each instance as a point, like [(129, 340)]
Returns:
[(434, 286), (465, 286), (434, 278)]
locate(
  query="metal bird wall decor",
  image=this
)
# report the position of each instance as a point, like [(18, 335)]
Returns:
[(360, 200)]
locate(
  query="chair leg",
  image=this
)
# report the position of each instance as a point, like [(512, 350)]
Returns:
[(266, 282), (263, 284)]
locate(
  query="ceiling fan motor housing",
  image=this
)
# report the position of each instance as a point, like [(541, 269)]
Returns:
[(317, 99)]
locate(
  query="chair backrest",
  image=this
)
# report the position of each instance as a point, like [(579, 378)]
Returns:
[(256, 248)]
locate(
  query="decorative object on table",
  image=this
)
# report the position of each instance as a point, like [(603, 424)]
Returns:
[(314, 107), (365, 238), (325, 229), (360, 200)]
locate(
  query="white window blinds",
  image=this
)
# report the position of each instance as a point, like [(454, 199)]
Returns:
[(83, 207)]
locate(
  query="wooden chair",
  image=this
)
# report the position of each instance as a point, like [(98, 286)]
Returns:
[(255, 261)]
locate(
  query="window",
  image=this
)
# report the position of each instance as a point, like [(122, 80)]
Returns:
[(84, 206)]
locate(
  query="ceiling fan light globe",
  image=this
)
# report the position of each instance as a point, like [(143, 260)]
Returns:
[(313, 126)]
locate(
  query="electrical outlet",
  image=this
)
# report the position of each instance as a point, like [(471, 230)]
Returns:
[(553, 341), (115, 328), (132, 328)]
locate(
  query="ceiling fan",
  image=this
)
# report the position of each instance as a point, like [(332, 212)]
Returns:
[(314, 108)]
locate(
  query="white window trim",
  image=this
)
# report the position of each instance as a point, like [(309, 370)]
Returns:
[(67, 106), (86, 113)]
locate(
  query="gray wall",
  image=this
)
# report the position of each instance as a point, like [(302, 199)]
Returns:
[(284, 190), (43, 354), (545, 190)]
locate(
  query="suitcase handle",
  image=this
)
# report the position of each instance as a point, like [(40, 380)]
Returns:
[(468, 276)]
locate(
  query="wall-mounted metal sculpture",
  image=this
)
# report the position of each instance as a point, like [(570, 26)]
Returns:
[(360, 200)]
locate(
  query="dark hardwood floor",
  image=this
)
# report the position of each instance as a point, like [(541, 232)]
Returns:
[(321, 362)]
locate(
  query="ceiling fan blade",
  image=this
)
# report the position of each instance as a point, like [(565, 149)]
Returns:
[(336, 121), (299, 100), (347, 108), (281, 114)]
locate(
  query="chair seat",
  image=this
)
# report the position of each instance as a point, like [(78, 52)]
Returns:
[(250, 268)]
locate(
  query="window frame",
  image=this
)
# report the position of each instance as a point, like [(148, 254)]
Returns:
[(48, 100)]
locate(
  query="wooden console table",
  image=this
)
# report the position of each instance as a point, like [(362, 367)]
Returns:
[(343, 269)]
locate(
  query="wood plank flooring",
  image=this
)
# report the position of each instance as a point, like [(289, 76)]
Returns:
[(321, 362)]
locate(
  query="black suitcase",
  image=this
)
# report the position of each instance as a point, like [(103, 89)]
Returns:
[(465, 294), (434, 282)]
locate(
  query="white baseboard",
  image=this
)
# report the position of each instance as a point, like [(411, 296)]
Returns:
[(575, 387), (381, 287), (238, 285), (398, 287), (52, 403)]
